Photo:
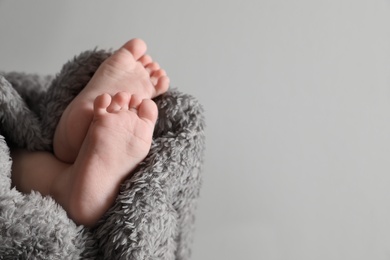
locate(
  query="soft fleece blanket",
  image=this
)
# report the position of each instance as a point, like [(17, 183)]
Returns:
[(153, 215)]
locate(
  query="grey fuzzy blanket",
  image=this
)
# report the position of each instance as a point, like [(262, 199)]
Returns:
[(153, 215)]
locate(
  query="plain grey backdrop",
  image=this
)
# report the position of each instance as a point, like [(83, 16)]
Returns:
[(297, 101)]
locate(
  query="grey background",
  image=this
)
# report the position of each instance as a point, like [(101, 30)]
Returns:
[(297, 100)]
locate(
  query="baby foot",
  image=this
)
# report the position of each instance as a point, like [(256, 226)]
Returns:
[(118, 139), (129, 69)]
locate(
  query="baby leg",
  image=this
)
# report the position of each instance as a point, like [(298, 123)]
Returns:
[(35, 170)]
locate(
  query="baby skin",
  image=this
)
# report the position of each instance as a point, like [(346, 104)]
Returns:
[(128, 69), (116, 118)]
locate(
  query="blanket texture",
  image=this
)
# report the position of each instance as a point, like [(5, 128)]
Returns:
[(153, 215)]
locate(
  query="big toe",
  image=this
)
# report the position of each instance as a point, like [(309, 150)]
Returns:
[(137, 47), (148, 111)]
